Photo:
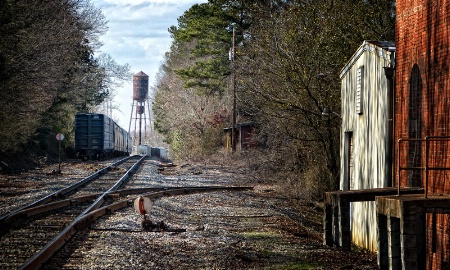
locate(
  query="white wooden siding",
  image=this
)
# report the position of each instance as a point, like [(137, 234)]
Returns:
[(368, 124)]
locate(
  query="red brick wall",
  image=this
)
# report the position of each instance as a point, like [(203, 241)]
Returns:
[(423, 105), (422, 76)]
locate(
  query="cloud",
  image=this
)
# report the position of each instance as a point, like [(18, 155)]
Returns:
[(139, 13), (138, 35)]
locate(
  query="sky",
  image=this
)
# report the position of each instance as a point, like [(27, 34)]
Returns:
[(137, 34)]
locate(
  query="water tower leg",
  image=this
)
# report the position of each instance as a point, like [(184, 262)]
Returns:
[(145, 123), (135, 123), (131, 117)]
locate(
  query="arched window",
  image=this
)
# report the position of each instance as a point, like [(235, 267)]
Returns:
[(415, 126)]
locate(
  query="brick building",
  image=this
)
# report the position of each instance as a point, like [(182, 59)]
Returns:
[(412, 223), (423, 109)]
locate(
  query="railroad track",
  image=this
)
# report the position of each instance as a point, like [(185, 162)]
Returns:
[(26, 231), (67, 191), (35, 232)]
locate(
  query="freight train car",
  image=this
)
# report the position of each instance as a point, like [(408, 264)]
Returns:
[(159, 152), (97, 137)]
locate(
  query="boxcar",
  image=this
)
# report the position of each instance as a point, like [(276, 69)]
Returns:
[(159, 152), (97, 136), (144, 150)]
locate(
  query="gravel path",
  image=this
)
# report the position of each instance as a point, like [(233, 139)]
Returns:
[(254, 229)]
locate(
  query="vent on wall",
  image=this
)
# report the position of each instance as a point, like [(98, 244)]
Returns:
[(359, 90)]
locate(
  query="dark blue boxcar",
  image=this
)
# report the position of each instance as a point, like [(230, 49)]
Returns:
[(97, 137)]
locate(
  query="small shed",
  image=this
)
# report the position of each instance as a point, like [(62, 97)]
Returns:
[(366, 135), (245, 134)]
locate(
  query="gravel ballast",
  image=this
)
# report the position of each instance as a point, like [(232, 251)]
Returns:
[(251, 229)]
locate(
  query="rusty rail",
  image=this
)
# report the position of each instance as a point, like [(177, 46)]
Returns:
[(152, 192), (62, 192), (426, 168), (84, 220), (57, 242)]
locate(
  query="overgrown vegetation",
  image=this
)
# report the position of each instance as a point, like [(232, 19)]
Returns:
[(48, 72), (288, 55)]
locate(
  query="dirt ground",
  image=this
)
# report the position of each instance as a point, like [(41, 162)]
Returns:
[(260, 228), (257, 229)]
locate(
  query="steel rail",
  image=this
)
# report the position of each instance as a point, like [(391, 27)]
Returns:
[(36, 210), (121, 181), (57, 242), (87, 219), (83, 221), (62, 192), (29, 212)]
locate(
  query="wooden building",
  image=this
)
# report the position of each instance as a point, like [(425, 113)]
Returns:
[(366, 131), (245, 136), (412, 225)]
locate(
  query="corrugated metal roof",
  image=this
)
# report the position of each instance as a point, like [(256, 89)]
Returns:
[(381, 48), (387, 45)]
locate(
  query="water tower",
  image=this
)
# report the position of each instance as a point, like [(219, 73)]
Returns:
[(138, 113)]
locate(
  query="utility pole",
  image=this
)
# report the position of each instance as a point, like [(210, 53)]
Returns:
[(233, 83)]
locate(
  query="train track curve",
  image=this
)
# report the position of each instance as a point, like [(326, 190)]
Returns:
[(29, 229), (33, 233)]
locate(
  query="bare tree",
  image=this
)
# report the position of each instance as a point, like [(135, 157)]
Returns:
[(188, 119), (293, 57), (46, 62)]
